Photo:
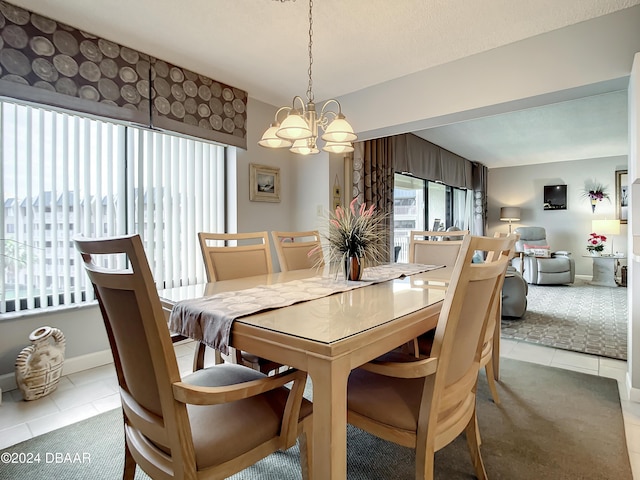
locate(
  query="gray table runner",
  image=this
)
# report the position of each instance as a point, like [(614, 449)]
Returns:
[(209, 319)]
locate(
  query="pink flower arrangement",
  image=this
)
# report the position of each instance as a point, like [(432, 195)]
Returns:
[(595, 242), (356, 231)]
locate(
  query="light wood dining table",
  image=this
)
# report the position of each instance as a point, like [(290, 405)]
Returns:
[(327, 338)]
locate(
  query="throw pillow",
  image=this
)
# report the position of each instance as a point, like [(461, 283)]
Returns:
[(537, 250)]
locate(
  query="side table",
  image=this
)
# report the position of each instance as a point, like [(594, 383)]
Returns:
[(604, 270)]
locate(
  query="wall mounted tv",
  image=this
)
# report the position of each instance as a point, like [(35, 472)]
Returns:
[(555, 197)]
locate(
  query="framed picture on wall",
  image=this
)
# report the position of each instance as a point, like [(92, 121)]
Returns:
[(264, 183), (622, 195), (555, 197)]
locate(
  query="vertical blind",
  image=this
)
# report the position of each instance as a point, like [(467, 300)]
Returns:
[(63, 175)]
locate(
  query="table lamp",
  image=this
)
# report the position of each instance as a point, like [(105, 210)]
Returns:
[(606, 227), (510, 214)]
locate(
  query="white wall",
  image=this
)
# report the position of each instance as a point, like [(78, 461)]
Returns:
[(566, 229), (633, 361)]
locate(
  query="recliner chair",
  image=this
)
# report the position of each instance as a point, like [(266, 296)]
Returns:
[(558, 269)]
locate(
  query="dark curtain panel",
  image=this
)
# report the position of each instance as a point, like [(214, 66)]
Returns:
[(373, 169), (480, 173), (425, 160)]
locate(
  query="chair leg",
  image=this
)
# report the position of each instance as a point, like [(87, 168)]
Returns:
[(129, 471), (306, 454), (473, 435), (492, 381)]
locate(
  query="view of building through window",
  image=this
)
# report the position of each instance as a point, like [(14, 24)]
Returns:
[(424, 205), (62, 175)]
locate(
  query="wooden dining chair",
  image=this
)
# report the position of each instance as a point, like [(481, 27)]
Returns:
[(425, 403), (208, 425), (251, 255), (298, 250), (489, 359), (435, 248)]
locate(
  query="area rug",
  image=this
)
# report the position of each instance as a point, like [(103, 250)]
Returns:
[(578, 317), (552, 424)]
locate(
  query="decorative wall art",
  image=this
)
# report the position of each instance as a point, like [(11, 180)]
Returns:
[(622, 195), (555, 197), (264, 183), (595, 192)]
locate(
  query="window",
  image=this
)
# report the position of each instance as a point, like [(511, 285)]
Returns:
[(418, 203), (63, 175)]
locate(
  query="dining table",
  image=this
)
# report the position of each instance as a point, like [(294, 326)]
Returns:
[(328, 337)]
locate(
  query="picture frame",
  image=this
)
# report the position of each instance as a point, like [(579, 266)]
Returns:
[(555, 197), (264, 183), (622, 195)]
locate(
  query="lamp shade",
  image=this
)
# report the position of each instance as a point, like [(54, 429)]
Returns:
[(510, 214), (606, 227), (294, 127), (339, 131), (271, 140)]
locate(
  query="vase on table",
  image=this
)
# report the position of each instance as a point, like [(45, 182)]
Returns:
[(39, 366), (595, 253), (353, 267)]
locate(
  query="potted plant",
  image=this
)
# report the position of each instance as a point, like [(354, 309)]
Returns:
[(595, 244)]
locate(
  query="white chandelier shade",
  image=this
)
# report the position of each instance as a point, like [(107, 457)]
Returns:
[(299, 130)]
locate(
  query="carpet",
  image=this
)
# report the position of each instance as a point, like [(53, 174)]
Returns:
[(578, 317), (552, 424)]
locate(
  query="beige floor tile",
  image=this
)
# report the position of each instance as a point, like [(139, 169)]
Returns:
[(12, 435), (613, 363), (531, 353), (565, 358), (61, 419), (14, 412), (82, 394), (632, 432), (634, 460), (107, 403), (104, 372)]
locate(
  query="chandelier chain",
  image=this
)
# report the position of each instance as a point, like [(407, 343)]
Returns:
[(310, 89)]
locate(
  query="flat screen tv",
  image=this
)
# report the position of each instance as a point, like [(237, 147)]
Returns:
[(555, 197)]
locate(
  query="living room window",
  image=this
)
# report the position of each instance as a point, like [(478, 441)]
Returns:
[(425, 205), (63, 174)]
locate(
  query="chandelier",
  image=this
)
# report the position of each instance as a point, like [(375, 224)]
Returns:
[(300, 128)]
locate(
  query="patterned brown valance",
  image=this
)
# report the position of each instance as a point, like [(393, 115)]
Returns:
[(51, 63)]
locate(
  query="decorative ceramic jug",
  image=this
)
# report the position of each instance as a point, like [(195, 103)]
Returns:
[(39, 366)]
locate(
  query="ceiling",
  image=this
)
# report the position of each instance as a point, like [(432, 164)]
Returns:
[(261, 47)]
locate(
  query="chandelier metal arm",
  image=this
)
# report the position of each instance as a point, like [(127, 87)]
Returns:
[(299, 129)]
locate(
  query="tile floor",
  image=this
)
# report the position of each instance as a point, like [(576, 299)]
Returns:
[(88, 393)]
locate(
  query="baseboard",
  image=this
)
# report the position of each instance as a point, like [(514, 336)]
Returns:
[(71, 365), (634, 393)]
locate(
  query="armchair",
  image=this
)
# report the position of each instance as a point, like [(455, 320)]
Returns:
[(557, 269)]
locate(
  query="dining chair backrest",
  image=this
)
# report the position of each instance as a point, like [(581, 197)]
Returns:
[(180, 428), (235, 255), (140, 342), (465, 314), (298, 250), (427, 402), (432, 248)]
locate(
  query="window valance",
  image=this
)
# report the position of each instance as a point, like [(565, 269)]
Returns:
[(47, 62), (425, 160)]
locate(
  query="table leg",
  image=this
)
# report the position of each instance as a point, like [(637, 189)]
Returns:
[(329, 417)]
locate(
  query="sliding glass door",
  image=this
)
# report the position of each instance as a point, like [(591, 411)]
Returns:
[(425, 205)]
